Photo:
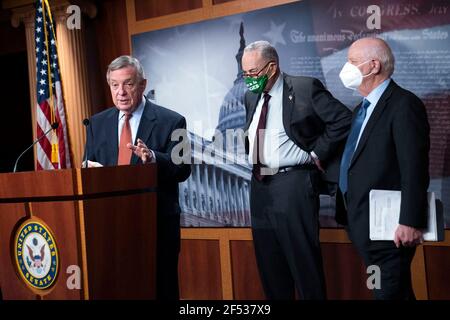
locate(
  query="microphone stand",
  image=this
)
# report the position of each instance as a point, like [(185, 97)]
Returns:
[(54, 126), (86, 124)]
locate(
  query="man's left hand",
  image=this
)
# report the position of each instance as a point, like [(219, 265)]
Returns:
[(407, 236), (142, 151)]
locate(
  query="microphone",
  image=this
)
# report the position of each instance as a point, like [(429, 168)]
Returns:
[(86, 124), (54, 126)]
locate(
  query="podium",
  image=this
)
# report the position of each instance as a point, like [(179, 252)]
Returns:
[(78, 233)]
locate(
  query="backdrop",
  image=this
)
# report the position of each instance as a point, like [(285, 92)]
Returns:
[(195, 70)]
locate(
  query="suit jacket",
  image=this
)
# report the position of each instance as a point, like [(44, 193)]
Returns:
[(155, 129), (313, 119), (392, 154)]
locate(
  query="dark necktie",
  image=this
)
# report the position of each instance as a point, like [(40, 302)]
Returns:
[(259, 138), (125, 138), (350, 146)]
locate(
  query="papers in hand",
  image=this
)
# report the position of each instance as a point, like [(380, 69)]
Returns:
[(92, 164), (384, 215)]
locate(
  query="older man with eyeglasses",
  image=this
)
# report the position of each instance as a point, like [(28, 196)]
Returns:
[(296, 132)]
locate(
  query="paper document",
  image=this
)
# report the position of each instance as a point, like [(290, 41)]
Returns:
[(385, 213), (91, 164)]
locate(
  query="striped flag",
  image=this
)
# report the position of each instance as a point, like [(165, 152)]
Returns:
[(53, 150)]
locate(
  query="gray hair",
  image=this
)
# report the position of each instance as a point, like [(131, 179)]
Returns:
[(265, 48), (382, 52), (123, 62)]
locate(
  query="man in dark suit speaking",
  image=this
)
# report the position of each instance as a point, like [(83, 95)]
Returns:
[(137, 131), (301, 129), (387, 148)]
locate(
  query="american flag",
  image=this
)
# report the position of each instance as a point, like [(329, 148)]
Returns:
[(53, 150)]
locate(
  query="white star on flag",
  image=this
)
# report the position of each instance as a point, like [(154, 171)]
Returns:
[(275, 34)]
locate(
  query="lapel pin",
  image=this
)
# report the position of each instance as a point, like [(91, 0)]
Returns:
[(290, 97)]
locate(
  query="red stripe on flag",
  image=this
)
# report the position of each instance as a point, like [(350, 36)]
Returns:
[(44, 142), (45, 108), (61, 143)]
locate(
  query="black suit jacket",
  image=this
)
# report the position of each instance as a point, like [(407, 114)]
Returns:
[(155, 129), (392, 154), (313, 119)]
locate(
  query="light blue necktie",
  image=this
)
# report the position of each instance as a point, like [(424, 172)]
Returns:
[(350, 146)]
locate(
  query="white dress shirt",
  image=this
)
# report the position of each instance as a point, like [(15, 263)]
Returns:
[(373, 97), (279, 151)]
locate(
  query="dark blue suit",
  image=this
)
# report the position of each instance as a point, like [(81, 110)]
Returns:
[(392, 154), (155, 129)]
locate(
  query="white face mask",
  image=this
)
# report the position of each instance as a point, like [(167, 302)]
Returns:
[(351, 76)]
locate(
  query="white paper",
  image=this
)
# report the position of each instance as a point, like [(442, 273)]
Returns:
[(385, 213), (92, 164)]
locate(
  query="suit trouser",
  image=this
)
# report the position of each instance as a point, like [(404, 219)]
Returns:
[(285, 227), (395, 270), (167, 248)]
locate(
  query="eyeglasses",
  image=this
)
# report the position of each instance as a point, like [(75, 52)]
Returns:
[(253, 74)]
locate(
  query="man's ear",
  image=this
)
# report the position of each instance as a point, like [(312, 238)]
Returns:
[(377, 68), (143, 84), (274, 66)]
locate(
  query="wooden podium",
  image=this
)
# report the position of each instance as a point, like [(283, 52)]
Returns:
[(103, 221)]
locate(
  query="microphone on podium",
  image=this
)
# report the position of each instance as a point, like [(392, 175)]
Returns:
[(53, 127), (86, 124)]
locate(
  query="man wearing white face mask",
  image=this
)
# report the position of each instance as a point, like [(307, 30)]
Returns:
[(387, 148)]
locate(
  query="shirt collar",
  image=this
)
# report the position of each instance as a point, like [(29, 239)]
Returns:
[(376, 93), (136, 113), (277, 85)]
